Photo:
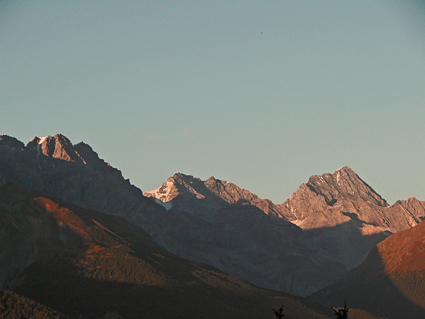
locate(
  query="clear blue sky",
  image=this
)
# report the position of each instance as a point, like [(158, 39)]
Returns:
[(263, 94)]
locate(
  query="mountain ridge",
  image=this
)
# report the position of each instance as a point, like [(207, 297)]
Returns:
[(331, 222), (339, 210)]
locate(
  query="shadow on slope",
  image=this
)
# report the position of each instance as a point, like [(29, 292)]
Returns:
[(243, 241), (332, 242), (369, 287)]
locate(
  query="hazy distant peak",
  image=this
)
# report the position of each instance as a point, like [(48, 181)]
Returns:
[(213, 193)]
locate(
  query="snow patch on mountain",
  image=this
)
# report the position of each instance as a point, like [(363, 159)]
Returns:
[(41, 140), (161, 194)]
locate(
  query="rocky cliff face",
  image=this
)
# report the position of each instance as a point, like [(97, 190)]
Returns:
[(314, 203), (333, 199)]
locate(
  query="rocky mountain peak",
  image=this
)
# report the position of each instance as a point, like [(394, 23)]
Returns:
[(178, 184), (6, 140), (229, 192), (343, 183), (339, 198), (58, 146), (213, 192), (87, 153)]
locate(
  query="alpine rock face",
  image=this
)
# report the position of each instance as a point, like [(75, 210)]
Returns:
[(324, 229), (340, 208)]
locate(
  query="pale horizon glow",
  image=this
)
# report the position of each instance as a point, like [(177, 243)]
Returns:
[(260, 94)]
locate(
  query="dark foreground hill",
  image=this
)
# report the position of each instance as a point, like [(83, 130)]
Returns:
[(13, 305), (89, 264), (390, 282)]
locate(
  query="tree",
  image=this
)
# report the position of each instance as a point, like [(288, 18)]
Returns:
[(341, 313), (279, 313)]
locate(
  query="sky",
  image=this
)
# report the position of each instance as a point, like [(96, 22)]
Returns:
[(262, 94)]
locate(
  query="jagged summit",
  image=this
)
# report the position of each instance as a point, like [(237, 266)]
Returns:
[(213, 192), (178, 184), (53, 164), (344, 182), (58, 146), (327, 200)]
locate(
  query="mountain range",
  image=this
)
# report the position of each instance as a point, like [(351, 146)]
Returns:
[(88, 264), (320, 234)]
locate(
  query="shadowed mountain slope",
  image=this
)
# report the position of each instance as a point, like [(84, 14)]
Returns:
[(390, 282), (86, 263)]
